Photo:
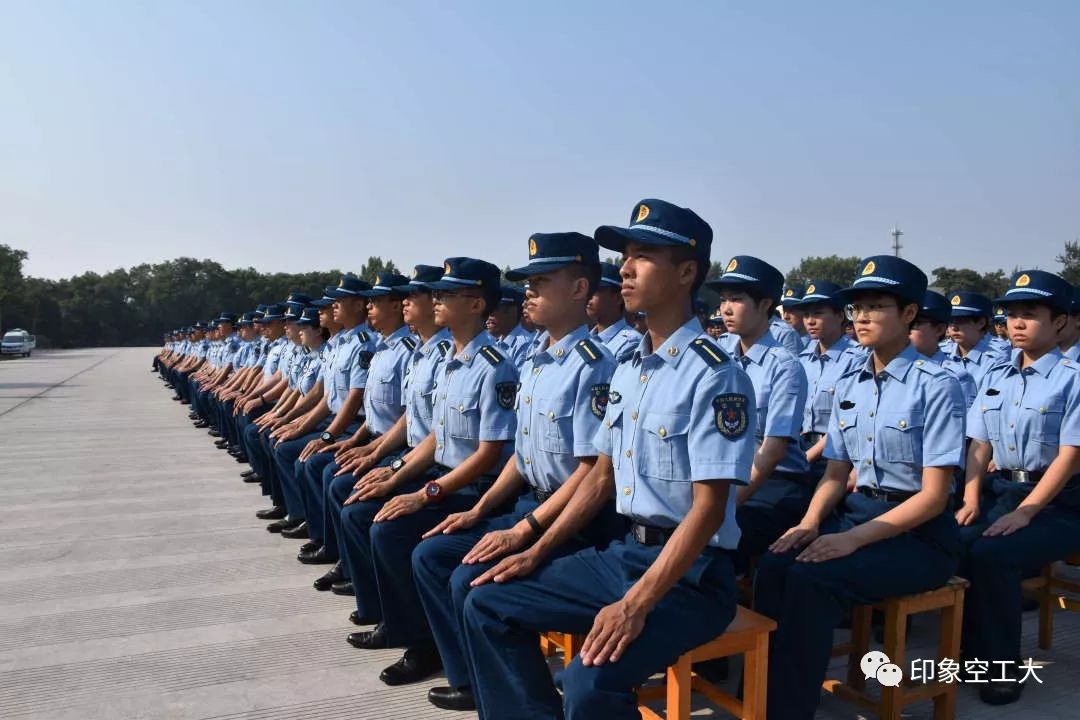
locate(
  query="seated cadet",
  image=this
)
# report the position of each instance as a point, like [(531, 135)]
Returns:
[(256, 401), (827, 357), (606, 311), (1069, 337), (675, 436), (504, 324), (226, 343), (244, 365), (928, 330), (344, 376), (560, 404), (339, 478), (715, 326), (969, 325), (899, 420), (383, 404), (1001, 329), (780, 485), (791, 312), (1027, 418), (471, 439)]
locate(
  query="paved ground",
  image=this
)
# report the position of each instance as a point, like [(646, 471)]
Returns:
[(130, 588)]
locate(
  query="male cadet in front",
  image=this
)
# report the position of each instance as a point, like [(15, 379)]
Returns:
[(383, 404), (974, 348), (898, 420), (607, 312), (471, 439), (560, 405), (505, 324), (792, 313), (780, 485), (349, 470), (676, 435), (344, 376)]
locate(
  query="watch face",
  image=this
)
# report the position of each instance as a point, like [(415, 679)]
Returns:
[(327, 437), (433, 489)]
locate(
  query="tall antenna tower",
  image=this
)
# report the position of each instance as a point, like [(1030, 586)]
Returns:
[(896, 233)]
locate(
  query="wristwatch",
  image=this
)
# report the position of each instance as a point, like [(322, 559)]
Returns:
[(327, 437), (397, 464), (433, 491)]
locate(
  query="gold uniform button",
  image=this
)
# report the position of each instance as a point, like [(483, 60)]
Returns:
[(528, 399), (524, 431), (644, 378), (465, 358), (439, 446), (1012, 448), (871, 413), (528, 461), (1042, 410), (608, 423), (673, 351), (536, 370), (461, 408), (559, 352), (626, 490), (919, 363), (903, 423), (842, 423), (629, 453), (551, 415), (869, 438), (633, 415), (440, 422), (663, 431)]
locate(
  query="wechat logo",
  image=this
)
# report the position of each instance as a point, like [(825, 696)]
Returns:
[(876, 664)]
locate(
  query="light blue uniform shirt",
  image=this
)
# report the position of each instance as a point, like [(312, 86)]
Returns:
[(383, 401), (1073, 353), (290, 359), (272, 356), (348, 370), (779, 393), (892, 426), (621, 339), (418, 385), (823, 370), (785, 335), (967, 383), (516, 345), (680, 415), (564, 391), (1027, 415), (474, 402), (229, 348), (981, 358), (309, 368)]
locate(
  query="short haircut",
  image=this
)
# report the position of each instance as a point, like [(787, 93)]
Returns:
[(682, 253), (589, 271)]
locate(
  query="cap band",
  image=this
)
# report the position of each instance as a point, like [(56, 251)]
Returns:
[(966, 307), (874, 278), (459, 281), (739, 276), (1044, 293), (661, 231)]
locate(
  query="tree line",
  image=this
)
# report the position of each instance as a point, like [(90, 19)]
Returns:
[(134, 306)]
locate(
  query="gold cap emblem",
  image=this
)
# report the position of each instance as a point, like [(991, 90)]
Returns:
[(446, 269), (955, 300), (870, 267), (642, 212), (789, 292), (1023, 280), (810, 290), (532, 248), (732, 265)]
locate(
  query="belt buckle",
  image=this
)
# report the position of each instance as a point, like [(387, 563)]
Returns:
[(1021, 476), (641, 534)]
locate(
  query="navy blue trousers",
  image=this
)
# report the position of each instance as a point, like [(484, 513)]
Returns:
[(778, 505), (809, 600), (996, 565), (502, 622)]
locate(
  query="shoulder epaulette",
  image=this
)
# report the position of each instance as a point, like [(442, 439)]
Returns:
[(362, 336), (443, 345), (712, 355), (930, 367), (588, 351), (491, 354), (409, 343)]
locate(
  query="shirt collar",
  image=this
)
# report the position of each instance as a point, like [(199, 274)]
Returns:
[(559, 351), (758, 350), (468, 354), (438, 337), (898, 367), (612, 330), (834, 351), (1044, 366), (673, 348), (395, 337)]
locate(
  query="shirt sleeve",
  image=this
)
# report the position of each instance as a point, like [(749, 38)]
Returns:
[(943, 422), (976, 419), (787, 401), (498, 421), (360, 365), (834, 436), (594, 383), (1070, 421), (721, 440)]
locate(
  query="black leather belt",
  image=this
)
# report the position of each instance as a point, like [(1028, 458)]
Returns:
[(542, 496), (1026, 477), (888, 495), (649, 534), (811, 439)]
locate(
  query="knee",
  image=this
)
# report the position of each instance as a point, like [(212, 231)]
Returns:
[(584, 687)]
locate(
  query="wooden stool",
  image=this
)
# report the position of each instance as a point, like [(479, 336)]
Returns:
[(570, 644), (747, 635), (950, 600), (1053, 592)]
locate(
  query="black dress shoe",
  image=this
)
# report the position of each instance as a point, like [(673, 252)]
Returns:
[(282, 525), (449, 698), (333, 575), (298, 532), (310, 546), (241, 457), (177, 397), (273, 513), (369, 639), (355, 619), (248, 473), (315, 557), (343, 588), (221, 444), (1001, 693), (213, 433), (253, 478), (202, 424), (415, 665), (185, 402)]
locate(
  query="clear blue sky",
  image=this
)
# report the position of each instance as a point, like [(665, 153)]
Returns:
[(305, 135)]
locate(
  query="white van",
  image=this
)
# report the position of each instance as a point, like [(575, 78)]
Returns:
[(17, 342)]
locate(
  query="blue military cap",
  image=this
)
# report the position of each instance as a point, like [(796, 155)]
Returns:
[(247, 318), (792, 295), (1040, 286), (299, 297), (750, 273), (199, 326), (1000, 316), (324, 301), (511, 295), (261, 307), (421, 276), (935, 307), (656, 222), (227, 317), (610, 275), (551, 251), (292, 311), (970, 304), (822, 291), (348, 286), (309, 316), (715, 319), (888, 274), (460, 273), (275, 311), (386, 283)]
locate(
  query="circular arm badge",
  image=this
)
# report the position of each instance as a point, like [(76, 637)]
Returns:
[(732, 417)]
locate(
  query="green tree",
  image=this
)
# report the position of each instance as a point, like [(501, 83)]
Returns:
[(834, 268), (376, 265), (11, 277), (1070, 262), (991, 284)]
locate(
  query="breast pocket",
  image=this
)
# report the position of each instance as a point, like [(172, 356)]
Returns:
[(822, 408), (848, 422), (901, 436), (554, 424), (385, 390), (665, 452), (990, 405), (464, 414), (341, 379), (1044, 418)]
